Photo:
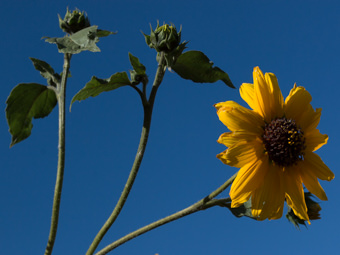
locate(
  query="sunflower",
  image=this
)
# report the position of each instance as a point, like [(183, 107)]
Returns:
[(273, 145)]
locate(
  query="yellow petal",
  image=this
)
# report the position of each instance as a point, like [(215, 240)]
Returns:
[(315, 140), (315, 164), (294, 193), (297, 103), (262, 95), (240, 119), (223, 157), (247, 94), (227, 104), (310, 119), (230, 138), (311, 182), (244, 197), (268, 199), (249, 177), (276, 97), (244, 152)]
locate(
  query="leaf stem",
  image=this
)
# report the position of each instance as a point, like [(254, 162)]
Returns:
[(61, 95), (148, 107), (203, 204)]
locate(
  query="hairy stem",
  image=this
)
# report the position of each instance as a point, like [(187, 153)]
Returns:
[(148, 107), (203, 204), (61, 94)]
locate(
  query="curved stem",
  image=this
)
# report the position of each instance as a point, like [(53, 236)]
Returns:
[(61, 94), (148, 107), (203, 204)]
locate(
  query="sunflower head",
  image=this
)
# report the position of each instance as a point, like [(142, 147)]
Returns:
[(273, 144)]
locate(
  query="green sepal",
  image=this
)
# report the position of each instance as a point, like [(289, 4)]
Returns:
[(27, 101), (83, 40), (195, 66), (171, 57), (294, 219), (313, 211), (96, 86), (243, 210), (46, 71)]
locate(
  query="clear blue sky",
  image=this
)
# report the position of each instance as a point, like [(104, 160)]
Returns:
[(299, 41)]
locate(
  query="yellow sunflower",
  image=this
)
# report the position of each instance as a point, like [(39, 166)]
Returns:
[(273, 145)]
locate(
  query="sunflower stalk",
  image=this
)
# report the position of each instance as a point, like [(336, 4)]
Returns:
[(61, 95), (148, 107), (203, 204)]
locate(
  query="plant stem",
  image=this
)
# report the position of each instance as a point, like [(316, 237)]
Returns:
[(61, 95), (203, 204), (148, 107)]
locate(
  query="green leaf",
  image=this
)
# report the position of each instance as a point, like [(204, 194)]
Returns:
[(27, 101), (136, 64), (104, 33), (96, 86), (84, 39), (195, 66), (46, 71)]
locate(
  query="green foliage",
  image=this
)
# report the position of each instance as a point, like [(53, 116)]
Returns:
[(46, 71), (104, 33), (195, 66), (27, 101), (96, 86), (136, 64), (138, 73), (83, 40)]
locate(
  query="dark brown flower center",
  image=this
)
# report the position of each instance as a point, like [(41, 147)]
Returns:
[(284, 142)]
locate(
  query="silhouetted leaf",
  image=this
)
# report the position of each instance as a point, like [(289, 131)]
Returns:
[(27, 101), (136, 64), (96, 86), (195, 66), (46, 71)]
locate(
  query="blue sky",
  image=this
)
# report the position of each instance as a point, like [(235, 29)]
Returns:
[(297, 42)]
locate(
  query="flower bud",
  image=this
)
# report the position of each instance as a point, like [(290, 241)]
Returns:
[(74, 21), (164, 38)]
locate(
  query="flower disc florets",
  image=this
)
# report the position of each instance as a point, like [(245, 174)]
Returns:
[(284, 142)]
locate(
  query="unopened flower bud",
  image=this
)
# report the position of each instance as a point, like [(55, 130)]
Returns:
[(74, 21), (164, 38)]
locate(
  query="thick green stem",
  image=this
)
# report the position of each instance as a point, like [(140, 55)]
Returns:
[(148, 107), (203, 204), (61, 94)]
